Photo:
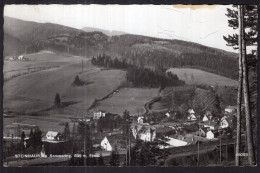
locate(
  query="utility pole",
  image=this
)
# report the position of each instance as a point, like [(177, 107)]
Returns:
[(226, 149), (198, 153), (220, 148)]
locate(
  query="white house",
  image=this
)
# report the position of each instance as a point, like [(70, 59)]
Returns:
[(205, 118), (105, 144), (191, 111), (21, 57), (140, 120), (98, 114), (230, 109), (147, 134), (192, 117), (210, 135), (53, 135), (224, 123), (167, 114)]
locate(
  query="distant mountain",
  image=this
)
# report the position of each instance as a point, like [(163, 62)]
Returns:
[(140, 50), (108, 33)]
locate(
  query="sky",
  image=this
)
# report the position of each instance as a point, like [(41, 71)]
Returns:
[(205, 25)]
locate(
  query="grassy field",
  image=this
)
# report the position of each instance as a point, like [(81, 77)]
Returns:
[(202, 77), (33, 93), (132, 99)]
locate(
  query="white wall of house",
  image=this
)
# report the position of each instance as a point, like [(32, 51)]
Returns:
[(205, 118), (210, 135), (106, 145)]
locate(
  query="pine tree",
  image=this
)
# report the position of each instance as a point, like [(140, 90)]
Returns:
[(245, 18), (57, 101), (66, 132), (250, 19), (22, 137), (100, 161), (114, 157)]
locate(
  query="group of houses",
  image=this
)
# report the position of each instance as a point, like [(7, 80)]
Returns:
[(14, 58)]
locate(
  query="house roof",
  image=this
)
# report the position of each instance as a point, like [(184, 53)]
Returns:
[(231, 107), (191, 111), (210, 123), (205, 129), (52, 133)]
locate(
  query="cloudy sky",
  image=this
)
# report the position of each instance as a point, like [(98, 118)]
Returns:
[(202, 25)]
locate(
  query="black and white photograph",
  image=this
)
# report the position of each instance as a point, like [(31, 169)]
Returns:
[(130, 85)]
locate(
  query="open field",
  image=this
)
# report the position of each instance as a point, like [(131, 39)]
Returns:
[(202, 77), (28, 97), (132, 99)]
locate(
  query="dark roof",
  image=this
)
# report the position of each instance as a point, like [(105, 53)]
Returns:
[(210, 123)]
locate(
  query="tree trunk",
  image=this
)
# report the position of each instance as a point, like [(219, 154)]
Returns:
[(239, 92), (246, 98)]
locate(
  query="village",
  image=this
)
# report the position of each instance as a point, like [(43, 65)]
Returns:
[(109, 132)]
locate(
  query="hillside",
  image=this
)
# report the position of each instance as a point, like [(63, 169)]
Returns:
[(108, 33), (12, 45), (135, 49)]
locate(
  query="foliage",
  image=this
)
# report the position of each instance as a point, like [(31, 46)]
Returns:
[(66, 132), (114, 157), (57, 101)]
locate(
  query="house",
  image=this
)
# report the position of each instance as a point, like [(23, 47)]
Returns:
[(53, 135), (205, 118), (147, 134), (140, 120), (190, 128), (167, 114), (211, 124), (98, 114), (212, 134), (202, 131), (192, 117), (226, 122), (164, 131), (230, 109), (191, 111), (21, 57), (106, 145)]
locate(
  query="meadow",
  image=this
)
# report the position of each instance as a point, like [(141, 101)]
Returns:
[(132, 99), (202, 77)]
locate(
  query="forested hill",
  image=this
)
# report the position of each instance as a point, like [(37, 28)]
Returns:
[(135, 49)]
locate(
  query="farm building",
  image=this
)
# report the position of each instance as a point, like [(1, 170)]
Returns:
[(53, 136)]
